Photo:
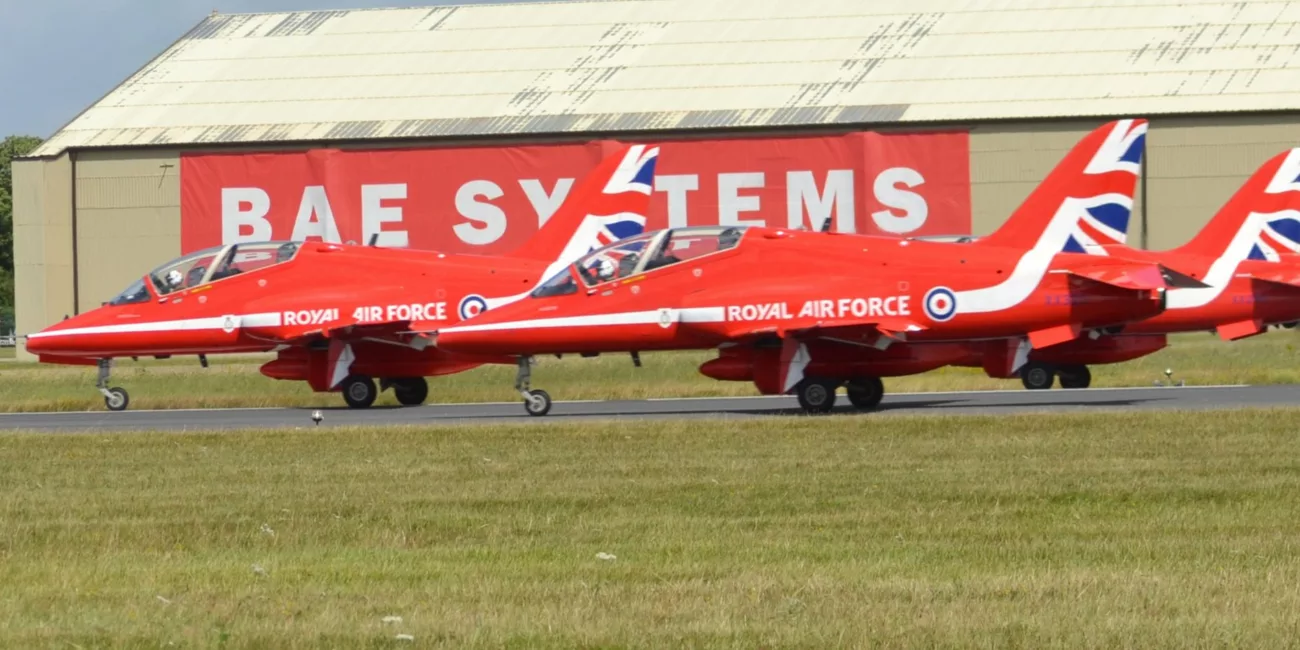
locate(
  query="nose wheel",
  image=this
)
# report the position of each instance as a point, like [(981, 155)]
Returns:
[(116, 399), (536, 402)]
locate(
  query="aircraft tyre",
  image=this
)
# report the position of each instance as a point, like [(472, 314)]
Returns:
[(1075, 377), (865, 393), (117, 399), (359, 391), (1037, 376), (412, 391), (816, 395), (538, 402)]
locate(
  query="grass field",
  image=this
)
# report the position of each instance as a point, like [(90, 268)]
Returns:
[(180, 383), (7, 353), (1102, 531)]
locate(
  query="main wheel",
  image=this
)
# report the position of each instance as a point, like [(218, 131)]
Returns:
[(1076, 377), (359, 391), (117, 399), (538, 402), (816, 395), (1037, 376), (411, 392), (865, 393)]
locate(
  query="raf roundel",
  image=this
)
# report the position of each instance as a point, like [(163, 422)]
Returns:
[(940, 304), (471, 306)]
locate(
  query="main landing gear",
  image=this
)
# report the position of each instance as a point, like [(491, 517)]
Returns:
[(115, 398), (536, 402), (360, 391), (817, 395), (1041, 376)]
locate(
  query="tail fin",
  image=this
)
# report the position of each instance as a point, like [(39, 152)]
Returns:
[(1085, 203), (1260, 222), (609, 204)]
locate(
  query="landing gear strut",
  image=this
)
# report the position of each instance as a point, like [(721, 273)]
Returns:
[(536, 402), (116, 399)]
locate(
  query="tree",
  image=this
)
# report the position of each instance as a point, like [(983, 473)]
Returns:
[(10, 148)]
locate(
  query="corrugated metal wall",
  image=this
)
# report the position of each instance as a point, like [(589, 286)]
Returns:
[(128, 219), (1194, 165), (42, 242)]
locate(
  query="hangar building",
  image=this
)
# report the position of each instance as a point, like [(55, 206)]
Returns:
[(456, 127)]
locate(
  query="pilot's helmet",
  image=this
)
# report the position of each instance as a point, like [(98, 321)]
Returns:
[(605, 268), (174, 278), (728, 238)]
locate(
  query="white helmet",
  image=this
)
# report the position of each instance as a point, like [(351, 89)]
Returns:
[(606, 269), (174, 278)]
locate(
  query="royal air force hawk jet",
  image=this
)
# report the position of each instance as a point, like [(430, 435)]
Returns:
[(340, 316), (807, 312), (1246, 256)]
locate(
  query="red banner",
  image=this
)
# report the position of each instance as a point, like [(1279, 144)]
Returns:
[(489, 200)]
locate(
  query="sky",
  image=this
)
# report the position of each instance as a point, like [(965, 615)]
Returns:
[(58, 57)]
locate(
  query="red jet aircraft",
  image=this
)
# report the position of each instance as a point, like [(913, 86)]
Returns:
[(807, 312), (339, 316), (1245, 256)]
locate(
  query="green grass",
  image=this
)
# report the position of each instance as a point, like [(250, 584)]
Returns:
[(7, 353), (1103, 531), (181, 383)]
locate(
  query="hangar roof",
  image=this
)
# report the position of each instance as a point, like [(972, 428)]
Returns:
[(637, 65)]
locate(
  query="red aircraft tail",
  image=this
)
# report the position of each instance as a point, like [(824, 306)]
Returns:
[(1260, 221), (609, 204), (1087, 199)]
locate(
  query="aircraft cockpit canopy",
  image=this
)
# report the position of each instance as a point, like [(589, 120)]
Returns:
[(642, 253), (209, 265), (656, 250)]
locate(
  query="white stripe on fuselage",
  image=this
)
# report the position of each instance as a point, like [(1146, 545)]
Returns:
[(1222, 270), (689, 315), (1033, 265), (185, 324)]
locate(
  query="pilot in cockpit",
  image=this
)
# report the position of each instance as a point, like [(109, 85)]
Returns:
[(172, 282)]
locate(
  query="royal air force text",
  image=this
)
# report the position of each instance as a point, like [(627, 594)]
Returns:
[(836, 308), (432, 311)]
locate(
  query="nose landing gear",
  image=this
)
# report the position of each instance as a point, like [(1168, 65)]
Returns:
[(115, 398), (536, 402)]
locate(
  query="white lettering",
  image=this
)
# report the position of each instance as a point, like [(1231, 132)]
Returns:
[(875, 306), (801, 192), (858, 307), (316, 204), (311, 316), (235, 217), (676, 186), (731, 203), (492, 217), (915, 210), (545, 204), (374, 214)]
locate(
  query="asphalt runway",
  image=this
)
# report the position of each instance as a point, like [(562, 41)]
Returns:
[(956, 403)]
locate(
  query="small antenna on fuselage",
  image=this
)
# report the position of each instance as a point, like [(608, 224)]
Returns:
[(374, 239), (826, 224)]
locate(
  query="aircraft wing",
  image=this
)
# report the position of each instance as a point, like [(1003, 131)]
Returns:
[(1288, 279), (1121, 275), (867, 330), (404, 332)]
